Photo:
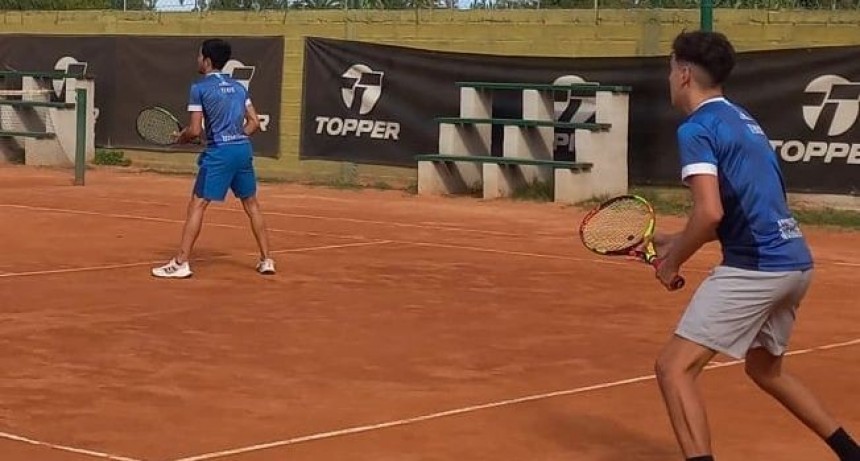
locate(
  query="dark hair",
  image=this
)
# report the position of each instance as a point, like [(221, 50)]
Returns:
[(711, 51), (216, 50)]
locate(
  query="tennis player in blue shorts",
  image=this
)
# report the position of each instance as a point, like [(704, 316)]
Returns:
[(746, 307), (227, 161)]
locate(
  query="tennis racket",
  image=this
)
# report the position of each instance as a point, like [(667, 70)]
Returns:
[(158, 126), (618, 226)]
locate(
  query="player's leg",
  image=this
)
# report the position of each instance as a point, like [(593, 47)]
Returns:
[(767, 372), (725, 315), (764, 364), (191, 230), (178, 266), (266, 265), (211, 184), (677, 368), (244, 186)]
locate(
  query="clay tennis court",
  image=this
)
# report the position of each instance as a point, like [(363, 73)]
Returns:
[(397, 328)]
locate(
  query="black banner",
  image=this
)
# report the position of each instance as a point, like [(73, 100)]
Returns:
[(371, 103), (135, 72)]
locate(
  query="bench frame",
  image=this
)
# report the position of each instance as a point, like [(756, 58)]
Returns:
[(27, 103), (579, 89), (500, 176), (62, 135), (503, 161), (27, 134), (523, 123)]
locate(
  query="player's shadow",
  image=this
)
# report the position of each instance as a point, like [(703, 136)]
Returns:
[(240, 263), (588, 433), (199, 256)]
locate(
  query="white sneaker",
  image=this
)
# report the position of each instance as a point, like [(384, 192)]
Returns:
[(173, 270), (266, 266)]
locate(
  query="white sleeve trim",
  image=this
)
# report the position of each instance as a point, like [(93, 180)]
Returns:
[(247, 102), (195, 108), (698, 168)]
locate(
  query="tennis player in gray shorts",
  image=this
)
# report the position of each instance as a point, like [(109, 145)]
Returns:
[(735, 310), (746, 307)]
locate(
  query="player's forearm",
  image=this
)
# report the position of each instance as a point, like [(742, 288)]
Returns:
[(662, 239), (187, 135), (183, 137), (252, 124), (700, 229)]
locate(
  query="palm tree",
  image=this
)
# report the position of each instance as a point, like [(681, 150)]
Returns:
[(202, 5), (317, 4)]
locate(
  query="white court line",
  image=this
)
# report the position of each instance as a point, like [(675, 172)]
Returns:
[(602, 260), (168, 220), (312, 197), (826, 347), (610, 261), (137, 202), (393, 224), (543, 236), (615, 260), (77, 269), (847, 264), (474, 408), (451, 228), (398, 224), (149, 263), (95, 454)]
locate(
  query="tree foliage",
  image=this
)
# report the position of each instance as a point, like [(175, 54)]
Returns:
[(76, 4)]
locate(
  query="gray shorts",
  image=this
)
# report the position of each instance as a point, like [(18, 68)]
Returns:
[(735, 310)]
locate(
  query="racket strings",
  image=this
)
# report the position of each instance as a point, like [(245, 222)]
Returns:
[(619, 226), (156, 126)]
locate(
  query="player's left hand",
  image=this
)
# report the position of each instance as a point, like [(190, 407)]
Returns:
[(663, 244), (177, 135), (667, 271)]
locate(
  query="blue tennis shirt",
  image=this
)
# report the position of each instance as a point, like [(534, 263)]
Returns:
[(758, 231), (222, 101)]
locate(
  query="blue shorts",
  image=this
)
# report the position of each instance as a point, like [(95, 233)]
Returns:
[(226, 167)]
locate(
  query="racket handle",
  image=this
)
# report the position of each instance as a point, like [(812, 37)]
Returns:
[(677, 283)]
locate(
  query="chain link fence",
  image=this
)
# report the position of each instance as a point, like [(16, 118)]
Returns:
[(257, 5)]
